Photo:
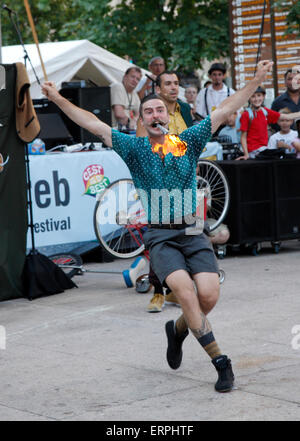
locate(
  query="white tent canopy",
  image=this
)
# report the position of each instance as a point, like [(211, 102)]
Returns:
[(68, 61)]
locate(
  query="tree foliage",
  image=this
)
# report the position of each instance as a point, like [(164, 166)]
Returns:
[(293, 17), (184, 32)]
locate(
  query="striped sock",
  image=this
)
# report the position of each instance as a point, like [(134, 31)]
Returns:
[(210, 345), (206, 338)]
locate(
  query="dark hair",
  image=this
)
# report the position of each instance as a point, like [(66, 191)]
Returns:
[(166, 72), (287, 72), (207, 83), (285, 110), (152, 96), (133, 68)]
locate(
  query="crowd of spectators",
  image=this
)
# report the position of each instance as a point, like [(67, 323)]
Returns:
[(254, 128)]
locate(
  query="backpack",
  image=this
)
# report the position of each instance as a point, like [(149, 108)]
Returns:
[(251, 116)]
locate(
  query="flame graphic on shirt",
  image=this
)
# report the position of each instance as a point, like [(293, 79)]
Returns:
[(172, 144)]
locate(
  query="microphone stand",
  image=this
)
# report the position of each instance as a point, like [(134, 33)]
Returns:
[(26, 57), (18, 32)]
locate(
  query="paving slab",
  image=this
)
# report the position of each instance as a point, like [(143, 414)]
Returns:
[(94, 353)]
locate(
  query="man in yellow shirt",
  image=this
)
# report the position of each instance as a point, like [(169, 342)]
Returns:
[(167, 88)]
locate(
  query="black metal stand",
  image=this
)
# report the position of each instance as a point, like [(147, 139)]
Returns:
[(18, 32), (41, 276)]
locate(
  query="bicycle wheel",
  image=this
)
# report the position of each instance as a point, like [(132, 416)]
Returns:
[(119, 220), (211, 179), (66, 262)]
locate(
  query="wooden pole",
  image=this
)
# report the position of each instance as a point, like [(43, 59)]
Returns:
[(274, 52), (27, 7), (0, 42)]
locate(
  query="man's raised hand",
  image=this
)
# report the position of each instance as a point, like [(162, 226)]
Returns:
[(50, 91), (263, 68)]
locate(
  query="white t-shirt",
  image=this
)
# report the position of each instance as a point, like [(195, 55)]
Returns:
[(214, 98), (119, 96), (288, 138)]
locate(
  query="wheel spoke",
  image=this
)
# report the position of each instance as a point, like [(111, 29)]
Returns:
[(212, 179), (121, 241)]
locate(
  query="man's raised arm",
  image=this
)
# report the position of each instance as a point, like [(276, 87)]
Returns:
[(83, 118), (237, 100)]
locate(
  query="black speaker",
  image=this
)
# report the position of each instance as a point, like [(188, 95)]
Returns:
[(93, 99), (53, 129), (251, 214), (287, 193)]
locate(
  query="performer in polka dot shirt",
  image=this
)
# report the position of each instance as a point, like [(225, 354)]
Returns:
[(185, 262)]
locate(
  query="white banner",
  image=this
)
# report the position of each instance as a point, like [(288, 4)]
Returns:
[(64, 188)]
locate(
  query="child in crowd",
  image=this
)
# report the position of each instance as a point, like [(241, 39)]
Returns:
[(190, 94), (285, 137), (296, 142), (230, 129), (254, 125)]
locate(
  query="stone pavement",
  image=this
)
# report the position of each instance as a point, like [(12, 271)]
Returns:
[(94, 353)]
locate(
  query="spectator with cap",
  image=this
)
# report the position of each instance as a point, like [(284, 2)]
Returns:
[(210, 97), (290, 98), (146, 85), (254, 124)]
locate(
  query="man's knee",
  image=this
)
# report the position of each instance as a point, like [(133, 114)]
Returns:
[(208, 289), (185, 294), (209, 297)]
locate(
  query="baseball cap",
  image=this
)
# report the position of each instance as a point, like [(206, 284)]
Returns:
[(260, 90)]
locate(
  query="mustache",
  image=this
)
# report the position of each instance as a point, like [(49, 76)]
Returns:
[(158, 122), (161, 127)]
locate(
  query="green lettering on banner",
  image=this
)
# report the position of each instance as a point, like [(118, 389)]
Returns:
[(92, 190)]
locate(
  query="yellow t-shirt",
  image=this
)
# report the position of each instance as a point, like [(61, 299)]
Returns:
[(177, 124)]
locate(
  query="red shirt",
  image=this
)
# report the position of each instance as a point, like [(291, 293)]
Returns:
[(257, 128)]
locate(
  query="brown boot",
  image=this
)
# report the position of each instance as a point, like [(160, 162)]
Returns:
[(156, 303)]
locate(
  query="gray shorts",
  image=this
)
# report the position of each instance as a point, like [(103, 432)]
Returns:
[(171, 250)]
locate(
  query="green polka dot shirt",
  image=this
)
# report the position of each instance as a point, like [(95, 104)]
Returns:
[(167, 188)]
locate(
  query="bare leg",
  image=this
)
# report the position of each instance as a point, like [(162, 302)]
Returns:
[(195, 306), (208, 290)]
